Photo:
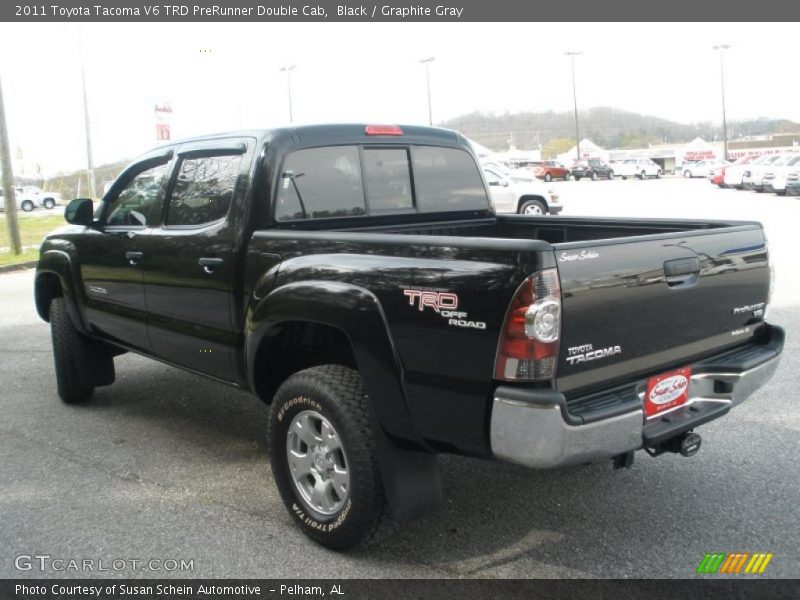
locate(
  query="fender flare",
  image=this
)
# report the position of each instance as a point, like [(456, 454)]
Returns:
[(409, 471), (358, 314), (58, 263)]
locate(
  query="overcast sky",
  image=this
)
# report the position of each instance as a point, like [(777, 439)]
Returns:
[(368, 72)]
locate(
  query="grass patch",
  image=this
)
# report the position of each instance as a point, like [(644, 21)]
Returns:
[(6, 258), (31, 231), (31, 228)]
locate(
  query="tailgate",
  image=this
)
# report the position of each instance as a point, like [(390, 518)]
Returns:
[(637, 306)]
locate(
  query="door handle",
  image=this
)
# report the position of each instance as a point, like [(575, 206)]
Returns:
[(209, 264), (134, 257)]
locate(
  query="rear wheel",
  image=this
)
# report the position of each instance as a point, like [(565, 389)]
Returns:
[(567, 176), (27, 205), (49, 203), (658, 174), (532, 207), (323, 456), (548, 177), (687, 174), (594, 175), (642, 175), (611, 174)]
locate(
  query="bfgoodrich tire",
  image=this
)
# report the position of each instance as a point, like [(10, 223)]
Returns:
[(323, 456), (69, 349)]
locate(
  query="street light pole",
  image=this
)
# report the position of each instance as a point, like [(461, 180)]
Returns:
[(427, 62), (89, 158), (288, 71), (721, 49), (572, 54)]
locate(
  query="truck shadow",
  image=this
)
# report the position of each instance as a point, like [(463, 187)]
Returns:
[(497, 520)]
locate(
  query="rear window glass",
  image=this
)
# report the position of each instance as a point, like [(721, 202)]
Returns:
[(320, 183), (446, 179), (388, 179)]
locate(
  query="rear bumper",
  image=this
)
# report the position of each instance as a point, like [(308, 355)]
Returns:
[(535, 428)]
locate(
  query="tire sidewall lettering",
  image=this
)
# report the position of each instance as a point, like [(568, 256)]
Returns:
[(301, 401)]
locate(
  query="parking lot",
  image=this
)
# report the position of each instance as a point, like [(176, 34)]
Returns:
[(165, 465)]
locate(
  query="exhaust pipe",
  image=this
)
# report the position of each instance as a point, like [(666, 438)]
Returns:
[(686, 444)]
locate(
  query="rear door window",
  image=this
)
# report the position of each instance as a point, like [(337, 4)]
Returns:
[(446, 179), (320, 183)]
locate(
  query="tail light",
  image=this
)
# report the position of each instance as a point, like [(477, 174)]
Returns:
[(528, 347), (383, 130)]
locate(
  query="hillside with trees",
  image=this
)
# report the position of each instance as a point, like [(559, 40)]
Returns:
[(607, 127)]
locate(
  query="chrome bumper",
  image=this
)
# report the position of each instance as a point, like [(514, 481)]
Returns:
[(534, 432)]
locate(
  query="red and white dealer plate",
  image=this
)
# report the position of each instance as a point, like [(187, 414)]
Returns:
[(666, 391)]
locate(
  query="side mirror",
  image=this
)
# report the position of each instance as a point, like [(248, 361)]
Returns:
[(79, 212)]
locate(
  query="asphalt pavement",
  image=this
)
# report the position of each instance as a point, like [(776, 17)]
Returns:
[(165, 465)]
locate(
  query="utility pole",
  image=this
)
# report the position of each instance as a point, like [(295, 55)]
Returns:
[(721, 49), (8, 182), (427, 62), (288, 71), (572, 54), (89, 159)]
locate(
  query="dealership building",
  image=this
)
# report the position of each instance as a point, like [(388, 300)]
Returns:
[(672, 156)]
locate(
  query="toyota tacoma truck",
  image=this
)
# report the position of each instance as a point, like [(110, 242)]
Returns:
[(357, 280)]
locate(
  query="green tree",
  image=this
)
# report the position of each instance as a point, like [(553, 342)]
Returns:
[(557, 146)]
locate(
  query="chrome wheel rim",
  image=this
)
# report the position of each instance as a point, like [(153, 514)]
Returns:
[(533, 209), (317, 463)]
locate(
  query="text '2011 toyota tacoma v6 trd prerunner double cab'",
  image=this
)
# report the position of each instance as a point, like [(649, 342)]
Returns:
[(357, 280)]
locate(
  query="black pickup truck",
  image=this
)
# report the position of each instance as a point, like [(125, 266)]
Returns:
[(355, 278)]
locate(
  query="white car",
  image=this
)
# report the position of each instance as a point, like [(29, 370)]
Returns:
[(775, 178), (512, 194), (39, 197), (753, 178), (734, 174), (702, 168), (23, 203), (637, 167)]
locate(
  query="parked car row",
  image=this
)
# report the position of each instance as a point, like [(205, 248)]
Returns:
[(29, 197), (776, 173)]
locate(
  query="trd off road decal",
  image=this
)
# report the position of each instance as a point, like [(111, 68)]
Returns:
[(445, 304)]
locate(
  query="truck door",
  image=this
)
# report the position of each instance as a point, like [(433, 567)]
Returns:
[(112, 256), (188, 279)]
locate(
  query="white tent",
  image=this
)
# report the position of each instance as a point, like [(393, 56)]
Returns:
[(588, 150), (482, 152)]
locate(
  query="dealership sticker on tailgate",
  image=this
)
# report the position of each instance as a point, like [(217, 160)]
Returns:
[(666, 391)]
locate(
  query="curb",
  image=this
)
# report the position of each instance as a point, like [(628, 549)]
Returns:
[(19, 266)]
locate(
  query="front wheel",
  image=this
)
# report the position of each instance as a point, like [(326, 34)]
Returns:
[(69, 349), (323, 456), (548, 178), (567, 176), (27, 206), (642, 175), (658, 174), (611, 174), (687, 174), (532, 207), (594, 176), (49, 203)]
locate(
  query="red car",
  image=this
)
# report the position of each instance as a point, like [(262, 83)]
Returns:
[(551, 169), (717, 176)]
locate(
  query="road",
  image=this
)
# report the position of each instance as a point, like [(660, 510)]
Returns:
[(164, 465)]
